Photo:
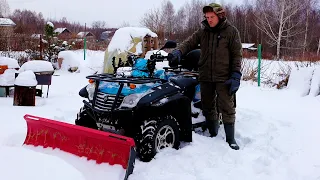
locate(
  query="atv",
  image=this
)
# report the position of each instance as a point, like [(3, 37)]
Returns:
[(154, 107)]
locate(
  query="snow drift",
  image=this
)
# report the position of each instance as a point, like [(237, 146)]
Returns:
[(315, 83), (305, 81), (28, 164)]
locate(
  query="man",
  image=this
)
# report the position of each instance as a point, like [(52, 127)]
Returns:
[(219, 68)]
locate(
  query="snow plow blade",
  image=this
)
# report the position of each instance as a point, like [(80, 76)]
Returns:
[(103, 147)]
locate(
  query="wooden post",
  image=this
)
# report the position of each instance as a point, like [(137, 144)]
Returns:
[(155, 43), (24, 96), (41, 47), (148, 43)]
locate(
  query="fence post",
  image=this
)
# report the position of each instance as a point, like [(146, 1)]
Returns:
[(259, 65), (85, 41), (84, 48)]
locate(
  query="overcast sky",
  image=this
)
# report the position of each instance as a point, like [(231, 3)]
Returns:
[(113, 12)]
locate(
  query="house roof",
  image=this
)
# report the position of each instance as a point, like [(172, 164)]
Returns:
[(60, 30), (6, 22), (247, 45), (83, 34)]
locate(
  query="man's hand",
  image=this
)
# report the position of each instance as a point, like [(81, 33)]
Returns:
[(174, 58), (234, 82)]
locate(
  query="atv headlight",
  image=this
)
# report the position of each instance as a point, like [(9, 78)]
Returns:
[(132, 100), (91, 88)]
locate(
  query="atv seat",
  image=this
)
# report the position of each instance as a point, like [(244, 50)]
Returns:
[(184, 82)]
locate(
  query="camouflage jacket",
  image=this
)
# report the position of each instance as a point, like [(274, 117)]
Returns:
[(221, 51)]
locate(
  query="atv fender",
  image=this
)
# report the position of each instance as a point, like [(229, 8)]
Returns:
[(179, 106)]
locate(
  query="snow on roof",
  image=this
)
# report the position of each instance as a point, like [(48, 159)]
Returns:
[(247, 45), (12, 63), (122, 38), (37, 66), (82, 34), (6, 22), (107, 32), (59, 30)]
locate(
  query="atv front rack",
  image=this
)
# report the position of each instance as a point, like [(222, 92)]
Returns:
[(111, 78), (121, 80)]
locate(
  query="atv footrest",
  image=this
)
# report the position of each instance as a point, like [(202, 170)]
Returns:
[(198, 125)]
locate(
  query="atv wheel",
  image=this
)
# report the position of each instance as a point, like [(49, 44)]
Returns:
[(83, 119), (157, 134)]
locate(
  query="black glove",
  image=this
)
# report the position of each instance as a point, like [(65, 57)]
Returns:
[(234, 82), (174, 58)]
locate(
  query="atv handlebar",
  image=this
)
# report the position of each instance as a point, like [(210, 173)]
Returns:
[(157, 58)]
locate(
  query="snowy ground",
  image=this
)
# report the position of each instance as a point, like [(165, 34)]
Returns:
[(277, 131)]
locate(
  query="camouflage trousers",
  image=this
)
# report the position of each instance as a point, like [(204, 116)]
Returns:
[(215, 99)]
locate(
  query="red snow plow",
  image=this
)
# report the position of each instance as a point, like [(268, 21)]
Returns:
[(103, 147)]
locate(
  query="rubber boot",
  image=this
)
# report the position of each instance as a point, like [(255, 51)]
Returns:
[(229, 130), (213, 127)]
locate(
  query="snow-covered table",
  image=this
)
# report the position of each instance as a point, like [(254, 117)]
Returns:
[(7, 76), (43, 71)]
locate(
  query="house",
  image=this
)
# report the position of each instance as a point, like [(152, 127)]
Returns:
[(6, 22), (63, 33), (248, 47), (6, 32), (88, 35), (107, 35)]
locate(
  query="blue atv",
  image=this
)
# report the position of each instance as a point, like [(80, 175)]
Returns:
[(153, 106)]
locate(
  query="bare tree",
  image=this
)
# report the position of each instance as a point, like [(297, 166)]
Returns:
[(273, 17), (125, 24), (28, 22), (194, 14), (98, 27), (318, 48), (153, 21), (180, 25), (99, 24), (308, 9), (4, 8), (168, 18)]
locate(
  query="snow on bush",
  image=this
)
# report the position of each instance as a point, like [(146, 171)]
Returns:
[(300, 80), (315, 83), (50, 24), (37, 66), (70, 60), (26, 78), (93, 62), (28, 164), (12, 63)]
